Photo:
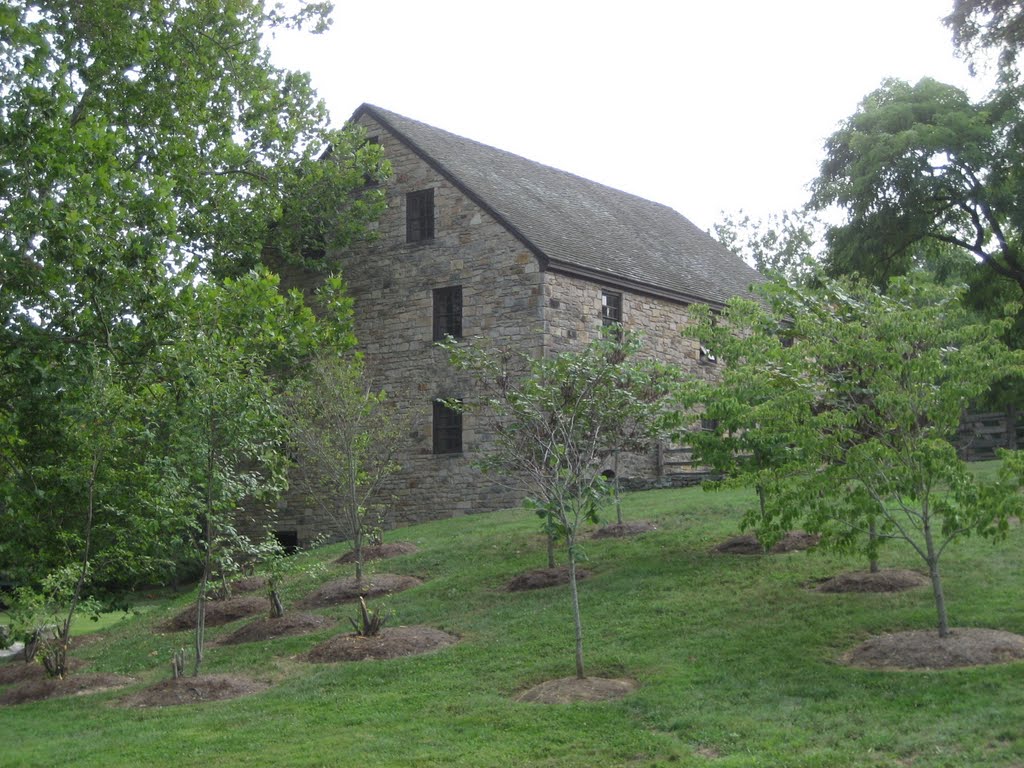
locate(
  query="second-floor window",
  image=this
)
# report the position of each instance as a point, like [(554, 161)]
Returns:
[(419, 216), (447, 427), (611, 308), (448, 312)]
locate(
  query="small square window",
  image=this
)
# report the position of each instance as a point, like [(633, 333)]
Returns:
[(448, 312), (447, 429), (611, 308), (419, 216)]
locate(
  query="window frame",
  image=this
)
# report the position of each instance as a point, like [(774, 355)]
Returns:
[(446, 429), (419, 216), (447, 312), (611, 309)]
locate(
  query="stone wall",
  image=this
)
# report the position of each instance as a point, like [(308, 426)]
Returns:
[(392, 283)]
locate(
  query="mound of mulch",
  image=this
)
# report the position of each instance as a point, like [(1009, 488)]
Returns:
[(924, 649), (541, 578), (218, 613), (18, 671), (390, 643), (349, 590), (566, 690), (269, 628), (193, 690), (40, 688), (621, 530), (886, 580), (248, 585), (380, 552), (748, 544)]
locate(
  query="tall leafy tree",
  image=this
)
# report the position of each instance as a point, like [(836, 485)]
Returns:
[(146, 148), (783, 245), (920, 164)]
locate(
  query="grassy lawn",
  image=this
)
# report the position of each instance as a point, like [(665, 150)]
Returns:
[(736, 663)]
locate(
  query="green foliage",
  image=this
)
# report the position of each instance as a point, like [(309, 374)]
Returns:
[(368, 623), (148, 150), (344, 435), (923, 164), (867, 399), (783, 246), (556, 420), (981, 27)]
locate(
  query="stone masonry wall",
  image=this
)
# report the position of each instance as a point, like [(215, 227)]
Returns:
[(392, 283), (572, 318)]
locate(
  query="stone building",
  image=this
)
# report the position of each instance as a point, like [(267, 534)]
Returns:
[(478, 242)]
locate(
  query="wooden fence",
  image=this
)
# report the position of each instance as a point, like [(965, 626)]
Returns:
[(981, 433)]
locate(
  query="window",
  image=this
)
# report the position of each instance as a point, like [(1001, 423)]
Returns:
[(447, 429), (448, 312), (611, 308), (706, 358), (708, 425), (419, 216)]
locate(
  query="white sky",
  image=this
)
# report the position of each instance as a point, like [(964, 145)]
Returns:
[(703, 106)]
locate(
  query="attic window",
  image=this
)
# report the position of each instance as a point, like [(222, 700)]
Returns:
[(448, 312), (419, 216), (611, 308)]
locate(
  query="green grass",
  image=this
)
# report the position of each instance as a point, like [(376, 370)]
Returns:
[(735, 659)]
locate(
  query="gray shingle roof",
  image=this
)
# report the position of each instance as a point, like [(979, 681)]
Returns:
[(579, 226)]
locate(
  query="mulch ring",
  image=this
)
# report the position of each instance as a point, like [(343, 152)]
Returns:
[(349, 590), (380, 552), (40, 688), (193, 690), (542, 578), (269, 628), (621, 530), (248, 584), (18, 671), (218, 613), (924, 649), (885, 580), (747, 544), (391, 643), (567, 690)]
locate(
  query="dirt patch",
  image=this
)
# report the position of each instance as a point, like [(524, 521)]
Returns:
[(569, 689), (886, 580), (269, 628), (349, 590), (621, 530), (380, 552), (193, 690), (391, 643), (41, 688), (541, 578), (17, 671), (748, 544), (249, 584), (218, 613), (924, 649)]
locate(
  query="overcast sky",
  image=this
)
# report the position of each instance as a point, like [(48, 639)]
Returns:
[(703, 106)]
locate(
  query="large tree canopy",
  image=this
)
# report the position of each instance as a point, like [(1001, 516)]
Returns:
[(147, 148), (920, 164)]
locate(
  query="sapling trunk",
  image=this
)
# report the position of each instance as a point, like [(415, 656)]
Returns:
[(276, 606), (551, 541), (872, 545), (933, 571), (618, 498), (577, 621)]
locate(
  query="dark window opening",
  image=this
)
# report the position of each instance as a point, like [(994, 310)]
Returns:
[(611, 309), (447, 429), (708, 425), (289, 540), (419, 216), (448, 312), (706, 357)]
